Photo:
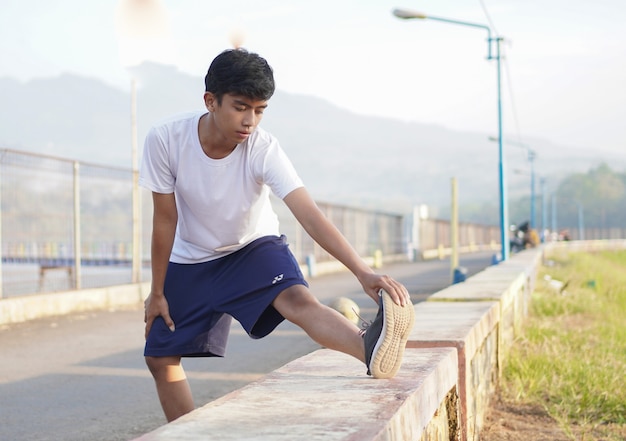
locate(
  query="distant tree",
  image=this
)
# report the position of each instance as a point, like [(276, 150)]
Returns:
[(600, 193)]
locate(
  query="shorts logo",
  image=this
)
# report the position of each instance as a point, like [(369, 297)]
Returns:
[(277, 279)]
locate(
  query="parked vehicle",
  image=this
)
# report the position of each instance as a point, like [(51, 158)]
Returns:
[(522, 237)]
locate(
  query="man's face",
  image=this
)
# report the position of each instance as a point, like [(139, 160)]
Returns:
[(237, 116)]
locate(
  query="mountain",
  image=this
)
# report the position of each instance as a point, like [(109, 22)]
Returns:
[(343, 157)]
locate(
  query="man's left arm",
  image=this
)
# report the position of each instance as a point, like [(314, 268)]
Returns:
[(322, 231)]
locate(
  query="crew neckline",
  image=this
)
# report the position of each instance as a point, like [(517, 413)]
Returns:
[(205, 158)]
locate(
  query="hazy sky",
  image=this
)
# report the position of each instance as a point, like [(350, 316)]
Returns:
[(564, 66)]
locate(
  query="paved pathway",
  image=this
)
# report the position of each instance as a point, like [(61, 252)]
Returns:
[(82, 376)]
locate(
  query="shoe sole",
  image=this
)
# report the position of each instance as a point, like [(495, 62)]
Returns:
[(389, 350)]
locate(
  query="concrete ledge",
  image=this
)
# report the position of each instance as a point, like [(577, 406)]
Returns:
[(442, 252), (473, 321), (327, 396), (588, 245), (472, 329), (510, 283), (28, 307), (315, 269), (450, 369)]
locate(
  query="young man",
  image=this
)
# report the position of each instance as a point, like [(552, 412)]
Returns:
[(216, 249)]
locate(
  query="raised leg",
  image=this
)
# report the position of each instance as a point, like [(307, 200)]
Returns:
[(323, 324)]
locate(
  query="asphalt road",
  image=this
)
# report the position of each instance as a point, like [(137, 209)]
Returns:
[(82, 376)]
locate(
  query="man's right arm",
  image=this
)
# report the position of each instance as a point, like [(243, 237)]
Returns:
[(164, 222)]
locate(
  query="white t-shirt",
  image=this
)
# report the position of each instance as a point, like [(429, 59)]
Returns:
[(223, 204)]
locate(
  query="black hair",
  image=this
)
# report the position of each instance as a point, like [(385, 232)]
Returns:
[(239, 72)]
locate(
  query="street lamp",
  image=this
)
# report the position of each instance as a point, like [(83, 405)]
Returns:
[(504, 221), (581, 222), (532, 155), (544, 209), (581, 219), (143, 33), (533, 193), (531, 159), (136, 195)]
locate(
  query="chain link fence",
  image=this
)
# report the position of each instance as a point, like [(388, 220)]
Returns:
[(54, 210), (69, 225)]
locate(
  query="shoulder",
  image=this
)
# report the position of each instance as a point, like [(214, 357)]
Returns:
[(261, 139), (262, 144), (179, 118), (177, 122)]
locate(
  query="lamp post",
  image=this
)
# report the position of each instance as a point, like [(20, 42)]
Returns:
[(532, 155), (581, 222), (580, 215), (531, 159), (143, 32), (504, 221), (554, 211), (136, 195), (544, 210), (533, 193)]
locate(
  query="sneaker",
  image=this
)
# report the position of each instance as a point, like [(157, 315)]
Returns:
[(385, 337)]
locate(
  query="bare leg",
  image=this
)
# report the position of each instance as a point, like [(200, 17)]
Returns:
[(323, 324), (172, 386)]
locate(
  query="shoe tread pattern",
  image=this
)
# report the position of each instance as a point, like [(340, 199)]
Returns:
[(389, 350)]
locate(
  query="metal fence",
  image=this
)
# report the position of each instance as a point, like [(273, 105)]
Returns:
[(435, 236), (368, 231), (69, 225), (64, 224), (72, 225)]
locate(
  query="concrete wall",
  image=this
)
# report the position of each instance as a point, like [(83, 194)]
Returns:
[(451, 368), (327, 396), (29, 307)]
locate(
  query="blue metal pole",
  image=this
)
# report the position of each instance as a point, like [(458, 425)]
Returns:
[(504, 215), (581, 223), (544, 209), (554, 226), (531, 158)]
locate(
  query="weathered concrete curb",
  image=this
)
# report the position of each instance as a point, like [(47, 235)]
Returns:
[(35, 306), (452, 364), (326, 396), (320, 396), (472, 330), (29, 307)]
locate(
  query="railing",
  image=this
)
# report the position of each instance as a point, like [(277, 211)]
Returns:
[(69, 225)]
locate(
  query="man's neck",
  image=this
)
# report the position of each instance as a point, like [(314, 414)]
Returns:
[(212, 143)]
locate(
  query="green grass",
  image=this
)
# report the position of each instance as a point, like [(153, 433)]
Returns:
[(571, 358)]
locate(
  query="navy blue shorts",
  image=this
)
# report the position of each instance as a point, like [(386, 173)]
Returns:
[(203, 297)]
